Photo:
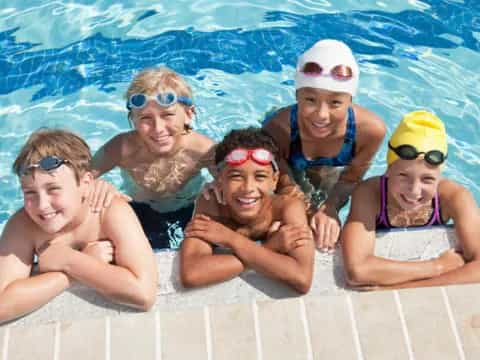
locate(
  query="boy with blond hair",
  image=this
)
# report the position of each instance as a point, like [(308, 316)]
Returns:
[(106, 251), (161, 157)]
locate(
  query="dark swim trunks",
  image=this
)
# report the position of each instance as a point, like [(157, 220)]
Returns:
[(163, 230)]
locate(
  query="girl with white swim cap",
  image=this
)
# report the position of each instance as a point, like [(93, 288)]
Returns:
[(326, 142)]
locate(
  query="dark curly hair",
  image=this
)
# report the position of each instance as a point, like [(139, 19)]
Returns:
[(248, 138)]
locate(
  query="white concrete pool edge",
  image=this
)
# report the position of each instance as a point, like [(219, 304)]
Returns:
[(80, 303)]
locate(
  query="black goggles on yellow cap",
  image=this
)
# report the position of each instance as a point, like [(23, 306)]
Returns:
[(409, 152)]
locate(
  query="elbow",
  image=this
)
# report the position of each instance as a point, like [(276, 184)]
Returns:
[(145, 300), (356, 275), (303, 284), (189, 278)]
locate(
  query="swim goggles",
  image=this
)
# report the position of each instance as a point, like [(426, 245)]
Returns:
[(139, 100), (409, 152), (240, 156), (48, 163), (338, 72)]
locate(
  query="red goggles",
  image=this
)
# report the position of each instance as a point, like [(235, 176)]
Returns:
[(259, 155), (338, 72)]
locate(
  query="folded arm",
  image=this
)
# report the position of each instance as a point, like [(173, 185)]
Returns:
[(21, 293)]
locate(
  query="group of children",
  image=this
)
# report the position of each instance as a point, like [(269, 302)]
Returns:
[(280, 189)]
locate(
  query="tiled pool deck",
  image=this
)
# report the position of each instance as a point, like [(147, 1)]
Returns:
[(254, 318)]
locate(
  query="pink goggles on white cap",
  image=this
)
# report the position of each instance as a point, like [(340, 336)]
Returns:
[(338, 72)]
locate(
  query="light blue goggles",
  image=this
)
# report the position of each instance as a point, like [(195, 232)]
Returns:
[(138, 101)]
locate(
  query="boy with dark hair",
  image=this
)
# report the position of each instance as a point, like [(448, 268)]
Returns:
[(248, 176)]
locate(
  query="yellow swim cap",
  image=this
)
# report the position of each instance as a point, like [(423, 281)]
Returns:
[(421, 129)]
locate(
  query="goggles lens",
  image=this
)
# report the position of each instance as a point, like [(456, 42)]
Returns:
[(259, 155), (48, 163), (167, 99), (338, 72), (409, 152)]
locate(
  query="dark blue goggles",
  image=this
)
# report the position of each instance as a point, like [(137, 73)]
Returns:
[(409, 152), (48, 163), (138, 101)]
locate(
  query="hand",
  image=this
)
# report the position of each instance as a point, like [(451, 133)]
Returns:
[(101, 250), (102, 193), (211, 231), (449, 260), (326, 230), (285, 238), (53, 257), (213, 187)]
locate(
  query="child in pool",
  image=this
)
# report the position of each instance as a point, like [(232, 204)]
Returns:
[(325, 141), (71, 242), (161, 158), (412, 193), (248, 176)]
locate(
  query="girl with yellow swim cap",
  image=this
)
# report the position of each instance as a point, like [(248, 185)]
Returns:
[(412, 193)]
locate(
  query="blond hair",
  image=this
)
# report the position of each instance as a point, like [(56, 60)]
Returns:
[(55, 142), (160, 79)]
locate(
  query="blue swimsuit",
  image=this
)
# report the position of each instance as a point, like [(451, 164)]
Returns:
[(298, 161)]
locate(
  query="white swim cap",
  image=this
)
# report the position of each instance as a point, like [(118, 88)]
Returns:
[(328, 54)]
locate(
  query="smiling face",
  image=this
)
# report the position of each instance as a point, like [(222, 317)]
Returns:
[(160, 128), (54, 199), (321, 113), (412, 183), (247, 189)]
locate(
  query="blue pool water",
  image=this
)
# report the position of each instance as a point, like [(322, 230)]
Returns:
[(69, 63)]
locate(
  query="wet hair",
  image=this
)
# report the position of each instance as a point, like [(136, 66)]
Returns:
[(248, 138), (160, 79), (150, 81), (55, 142)]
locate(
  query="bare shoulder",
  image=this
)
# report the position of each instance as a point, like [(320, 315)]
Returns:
[(278, 127), (369, 124), (453, 195), (200, 142), (367, 194), (20, 232), (208, 207)]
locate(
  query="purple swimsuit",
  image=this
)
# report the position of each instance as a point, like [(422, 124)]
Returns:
[(382, 219)]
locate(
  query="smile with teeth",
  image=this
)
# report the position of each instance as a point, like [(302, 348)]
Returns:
[(410, 200), (247, 201), (48, 216), (320, 125)]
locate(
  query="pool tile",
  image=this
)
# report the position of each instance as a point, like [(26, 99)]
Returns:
[(82, 337), (27, 343), (183, 335), (330, 327), (379, 326), (282, 332), (428, 324), (233, 332), (466, 312), (133, 337)]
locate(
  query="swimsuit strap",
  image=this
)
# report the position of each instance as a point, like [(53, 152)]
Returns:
[(382, 219), (436, 218), (344, 157)]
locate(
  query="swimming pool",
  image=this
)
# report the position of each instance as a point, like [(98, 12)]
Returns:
[(68, 64)]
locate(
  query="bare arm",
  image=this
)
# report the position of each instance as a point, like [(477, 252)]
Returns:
[(20, 293), (108, 156), (294, 268), (459, 204), (370, 133), (358, 241), (199, 265), (132, 279)]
